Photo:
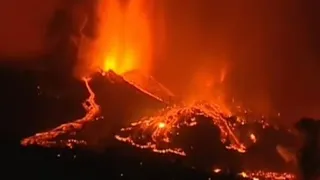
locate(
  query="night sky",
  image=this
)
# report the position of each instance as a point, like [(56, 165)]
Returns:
[(271, 47)]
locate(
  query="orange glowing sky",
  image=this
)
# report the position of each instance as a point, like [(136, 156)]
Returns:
[(272, 45), (124, 41)]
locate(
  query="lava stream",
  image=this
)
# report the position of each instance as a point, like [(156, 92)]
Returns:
[(46, 139), (166, 124), (266, 175)]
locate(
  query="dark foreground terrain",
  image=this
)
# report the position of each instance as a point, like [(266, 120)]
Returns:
[(112, 163)]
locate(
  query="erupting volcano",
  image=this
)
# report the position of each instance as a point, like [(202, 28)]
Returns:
[(122, 55)]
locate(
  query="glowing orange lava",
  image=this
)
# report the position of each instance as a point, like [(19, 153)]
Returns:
[(265, 175), (165, 125), (262, 175), (47, 139), (124, 41)]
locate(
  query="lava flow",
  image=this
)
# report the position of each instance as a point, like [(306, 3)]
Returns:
[(157, 133), (166, 124), (48, 139), (264, 175)]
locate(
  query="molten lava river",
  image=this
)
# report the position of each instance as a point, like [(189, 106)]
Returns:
[(156, 132), (121, 31)]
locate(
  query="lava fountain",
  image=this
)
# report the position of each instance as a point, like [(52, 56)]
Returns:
[(124, 36)]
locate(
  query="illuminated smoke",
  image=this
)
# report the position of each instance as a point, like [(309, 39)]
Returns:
[(123, 42)]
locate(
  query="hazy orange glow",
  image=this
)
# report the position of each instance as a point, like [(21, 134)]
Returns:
[(124, 41), (209, 86)]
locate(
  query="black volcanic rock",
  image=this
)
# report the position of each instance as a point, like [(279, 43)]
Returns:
[(121, 103), (263, 154), (204, 147), (120, 100), (33, 102)]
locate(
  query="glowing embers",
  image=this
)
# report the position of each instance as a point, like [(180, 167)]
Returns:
[(260, 175), (49, 138), (157, 132), (266, 175)]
